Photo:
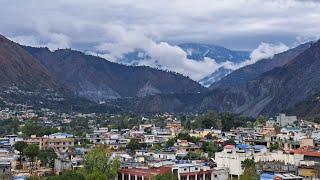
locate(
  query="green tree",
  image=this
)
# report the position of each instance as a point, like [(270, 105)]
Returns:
[(210, 148), (98, 166), (170, 143), (47, 157), (228, 121), (193, 156), (31, 151), (135, 145), (275, 146), (250, 172), (211, 119), (260, 121), (156, 147), (67, 176), (30, 127), (186, 136), (166, 176), (20, 146)]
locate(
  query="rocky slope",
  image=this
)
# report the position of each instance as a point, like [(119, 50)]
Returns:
[(19, 68), (99, 80), (274, 91), (247, 73)]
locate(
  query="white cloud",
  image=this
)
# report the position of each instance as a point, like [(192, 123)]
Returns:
[(164, 55), (263, 51), (233, 23), (155, 26), (171, 57), (53, 41)]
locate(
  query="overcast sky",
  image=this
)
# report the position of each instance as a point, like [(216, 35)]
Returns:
[(121, 25)]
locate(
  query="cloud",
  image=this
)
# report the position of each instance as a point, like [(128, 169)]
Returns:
[(170, 57), (263, 51), (52, 40), (162, 54), (234, 23), (99, 26)]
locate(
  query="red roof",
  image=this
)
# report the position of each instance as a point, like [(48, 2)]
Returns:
[(229, 146), (307, 151), (146, 172)]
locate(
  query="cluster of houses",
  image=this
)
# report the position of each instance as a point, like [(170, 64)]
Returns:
[(285, 148)]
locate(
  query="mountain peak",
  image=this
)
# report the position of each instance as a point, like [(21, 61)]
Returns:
[(19, 67)]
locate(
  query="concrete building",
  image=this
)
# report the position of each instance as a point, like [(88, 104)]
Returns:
[(192, 171), (231, 158), (142, 173), (283, 119)]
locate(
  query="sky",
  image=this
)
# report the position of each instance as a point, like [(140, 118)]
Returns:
[(111, 28)]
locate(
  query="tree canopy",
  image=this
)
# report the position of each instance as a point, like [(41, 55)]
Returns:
[(31, 127), (47, 157), (250, 172), (98, 166)]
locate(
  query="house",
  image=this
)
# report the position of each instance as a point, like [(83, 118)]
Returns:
[(192, 171), (142, 173), (284, 120)]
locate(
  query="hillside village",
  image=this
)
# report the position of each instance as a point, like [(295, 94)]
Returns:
[(160, 90), (283, 147)]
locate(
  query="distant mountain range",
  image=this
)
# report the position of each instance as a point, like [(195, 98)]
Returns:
[(100, 80), (247, 73), (291, 80), (288, 82), (198, 52)]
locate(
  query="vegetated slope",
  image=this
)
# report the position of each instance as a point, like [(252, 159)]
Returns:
[(19, 68), (98, 79), (272, 92), (247, 73)]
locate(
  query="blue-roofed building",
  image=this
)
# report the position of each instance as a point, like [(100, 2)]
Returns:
[(242, 148), (267, 176)]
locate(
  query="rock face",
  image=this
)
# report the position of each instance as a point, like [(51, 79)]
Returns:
[(220, 54), (97, 79), (277, 90), (19, 68), (215, 77), (247, 73)]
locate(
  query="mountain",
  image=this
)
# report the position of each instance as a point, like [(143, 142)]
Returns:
[(99, 80), (19, 68), (247, 73), (215, 76), (278, 90), (219, 54), (198, 52), (24, 81), (308, 108)]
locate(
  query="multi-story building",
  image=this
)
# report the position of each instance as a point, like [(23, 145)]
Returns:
[(192, 171), (283, 119)]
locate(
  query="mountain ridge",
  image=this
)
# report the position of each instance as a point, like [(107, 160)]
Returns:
[(247, 73), (97, 79)]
